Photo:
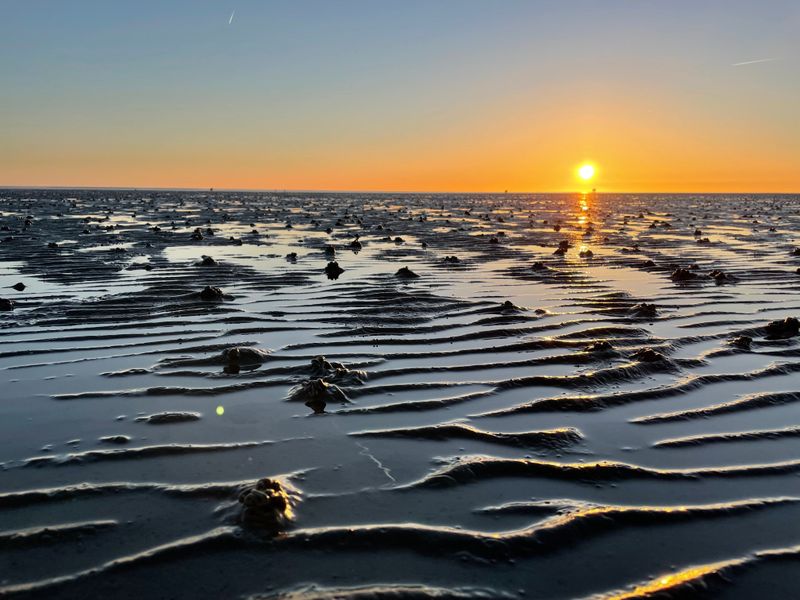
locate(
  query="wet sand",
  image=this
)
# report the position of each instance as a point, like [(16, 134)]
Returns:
[(252, 395)]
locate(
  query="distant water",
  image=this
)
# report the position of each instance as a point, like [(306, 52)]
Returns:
[(614, 420)]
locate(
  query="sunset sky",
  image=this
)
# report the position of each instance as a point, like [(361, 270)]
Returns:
[(434, 95)]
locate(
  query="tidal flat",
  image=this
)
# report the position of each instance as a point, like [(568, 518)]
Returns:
[(310, 395)]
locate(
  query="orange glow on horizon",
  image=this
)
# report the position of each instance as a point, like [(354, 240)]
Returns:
[(521, 149)]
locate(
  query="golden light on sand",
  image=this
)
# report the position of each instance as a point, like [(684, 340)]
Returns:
[(586, 171), (675, 581)]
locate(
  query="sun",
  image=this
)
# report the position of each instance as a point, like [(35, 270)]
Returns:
[(586, 172)]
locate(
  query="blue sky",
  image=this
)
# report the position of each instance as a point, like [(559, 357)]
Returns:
[(414, 94)]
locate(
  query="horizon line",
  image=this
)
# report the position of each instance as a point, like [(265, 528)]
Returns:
[(345, 191)]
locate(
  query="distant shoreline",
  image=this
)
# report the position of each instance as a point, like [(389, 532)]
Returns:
[(382, 192)]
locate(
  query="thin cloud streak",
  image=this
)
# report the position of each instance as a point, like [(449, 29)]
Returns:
[(231, 19), (753, 62)]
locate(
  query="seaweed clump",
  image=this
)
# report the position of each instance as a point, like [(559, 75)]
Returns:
[(317, 394), (406, 273), (333, 270), (682, 274), (266, 506), (742, 341), (644, 310), (331, 372), (788, 327), (211, 294), (600, 347), (648, 355)]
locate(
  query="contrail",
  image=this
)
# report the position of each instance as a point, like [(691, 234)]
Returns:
[(752, 62), (231, 19)]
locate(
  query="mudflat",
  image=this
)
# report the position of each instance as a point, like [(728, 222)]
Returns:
[(403, 396)]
